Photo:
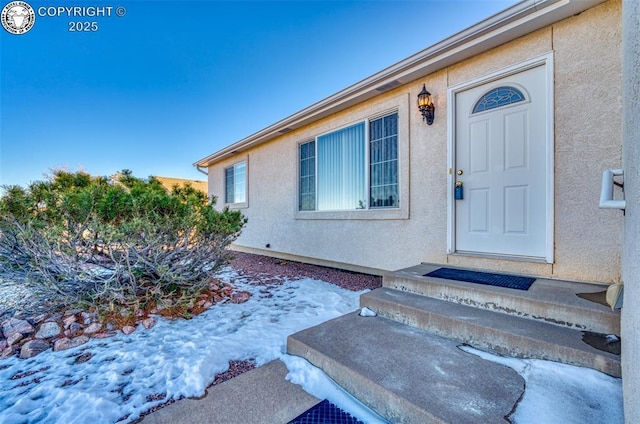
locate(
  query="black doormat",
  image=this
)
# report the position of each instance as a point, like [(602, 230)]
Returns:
[(325, 412), (491, 279)]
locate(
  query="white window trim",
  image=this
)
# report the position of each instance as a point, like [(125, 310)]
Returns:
[(237, 205), (298, 171), (401, 106)]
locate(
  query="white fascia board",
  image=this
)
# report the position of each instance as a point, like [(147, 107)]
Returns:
[(520, 19)]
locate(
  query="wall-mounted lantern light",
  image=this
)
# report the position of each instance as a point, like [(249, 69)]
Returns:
[(425, 105)]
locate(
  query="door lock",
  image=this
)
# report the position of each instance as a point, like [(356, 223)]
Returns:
[(459, 193), (460, 172)]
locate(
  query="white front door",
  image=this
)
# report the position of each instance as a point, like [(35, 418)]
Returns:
[(501, 162)]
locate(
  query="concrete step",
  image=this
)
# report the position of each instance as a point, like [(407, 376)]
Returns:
[(262, 395), (409, 375), (505, 334), (551, 301)]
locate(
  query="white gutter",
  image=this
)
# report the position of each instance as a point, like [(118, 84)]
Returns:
[(199, 169), (518, 20)]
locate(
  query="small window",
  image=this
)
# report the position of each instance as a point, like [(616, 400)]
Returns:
[(498, 97), (307, 183), (235, 179), (383, 145)]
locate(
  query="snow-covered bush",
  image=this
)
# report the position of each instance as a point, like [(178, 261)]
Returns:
[(119, 243)]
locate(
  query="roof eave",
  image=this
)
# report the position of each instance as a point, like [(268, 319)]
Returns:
[(518, 20)]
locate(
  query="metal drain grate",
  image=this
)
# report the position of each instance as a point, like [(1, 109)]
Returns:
[(325, 413)]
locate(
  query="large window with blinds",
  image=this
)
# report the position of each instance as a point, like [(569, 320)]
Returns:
[(352, 168)]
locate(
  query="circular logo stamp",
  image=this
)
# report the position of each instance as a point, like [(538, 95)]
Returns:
[(18, 17)]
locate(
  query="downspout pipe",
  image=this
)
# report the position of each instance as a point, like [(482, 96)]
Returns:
[(200, 169), (630, 315)]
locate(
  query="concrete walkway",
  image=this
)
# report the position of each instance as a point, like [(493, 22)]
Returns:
[(409, 375), (259, 396)]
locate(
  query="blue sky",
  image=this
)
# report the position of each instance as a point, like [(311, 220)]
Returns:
[(171, 82)]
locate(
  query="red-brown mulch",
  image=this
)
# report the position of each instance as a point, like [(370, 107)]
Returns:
[(259, 266)]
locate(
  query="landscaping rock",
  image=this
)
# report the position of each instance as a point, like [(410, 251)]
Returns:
[(3, 344), (68, 321), (33, 348), (38, 319), (15, 325), (103, 335), (54, 317), (127, 329), (48, 330), (93, 328), (240, 296), (13, 339), (67, 343), (149, 322), (74, 330), (7, 352), (88, 317)]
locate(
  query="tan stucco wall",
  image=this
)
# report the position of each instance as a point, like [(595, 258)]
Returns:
[(587, 140), (330, 236)]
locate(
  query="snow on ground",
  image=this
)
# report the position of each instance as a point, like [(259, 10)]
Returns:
[(560, 393), (318, 384), (119, 378), (125, 374), (555, 393)]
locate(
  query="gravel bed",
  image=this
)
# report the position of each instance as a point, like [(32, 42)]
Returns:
[(263, 267)]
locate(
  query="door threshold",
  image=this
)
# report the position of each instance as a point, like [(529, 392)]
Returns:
[(516, 258)]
